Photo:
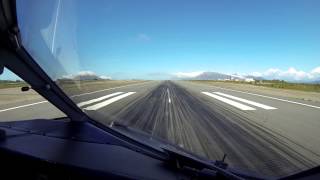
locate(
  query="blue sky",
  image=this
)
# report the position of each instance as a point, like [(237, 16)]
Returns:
[(158, 39)]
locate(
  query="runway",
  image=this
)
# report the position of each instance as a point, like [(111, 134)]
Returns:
[(265, 134)]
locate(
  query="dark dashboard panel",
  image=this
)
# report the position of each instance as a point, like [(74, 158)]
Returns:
[(61, 149)]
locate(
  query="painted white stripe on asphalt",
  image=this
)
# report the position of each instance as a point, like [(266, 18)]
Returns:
[(98, 99), (26, 105), (169, 99), (109, 101), (32, 104), (230, 102), (246, 101), (269, 97)]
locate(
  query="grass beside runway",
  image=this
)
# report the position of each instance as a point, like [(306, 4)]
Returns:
[(10, 90), (11, 84)]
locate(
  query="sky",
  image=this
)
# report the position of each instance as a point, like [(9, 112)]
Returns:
[(149, 39)]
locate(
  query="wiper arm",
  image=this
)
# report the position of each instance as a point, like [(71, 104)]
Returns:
[(187, 162)]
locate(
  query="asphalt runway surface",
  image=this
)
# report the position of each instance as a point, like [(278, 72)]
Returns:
[(263, 134)]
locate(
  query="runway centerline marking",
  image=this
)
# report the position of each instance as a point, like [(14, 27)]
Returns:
[(109, 101), (246, 101), (98, 99), (269, 97), (169, 99), (230, 102)]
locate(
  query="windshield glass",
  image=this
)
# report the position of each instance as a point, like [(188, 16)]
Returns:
[(214, 77), (18, 105)]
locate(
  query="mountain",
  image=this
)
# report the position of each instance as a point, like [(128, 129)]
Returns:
[(316, 82), (221, 76), (211, 76), (86, 77)]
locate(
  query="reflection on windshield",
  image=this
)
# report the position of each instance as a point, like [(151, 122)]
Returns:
[(49, 34), (238, 78), (16, 105)]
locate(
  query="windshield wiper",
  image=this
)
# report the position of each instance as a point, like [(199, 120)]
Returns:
[(179, 158), (203, 169)]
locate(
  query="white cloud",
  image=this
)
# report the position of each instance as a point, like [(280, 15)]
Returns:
[(316, 70), (105, 77), (272, 72), (187, 74), (291, 74), (143, 37)]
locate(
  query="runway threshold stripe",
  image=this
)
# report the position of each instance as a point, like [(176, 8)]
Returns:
[(82, 94), (98, 99), (230, 102), (109, 101), (269, 97), (246, 101)]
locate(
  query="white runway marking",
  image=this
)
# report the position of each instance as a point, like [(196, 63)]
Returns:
[(26, 105), (107, 102), (169, 99), (269, 97), (230, 102), (246, 101), (98, 99)]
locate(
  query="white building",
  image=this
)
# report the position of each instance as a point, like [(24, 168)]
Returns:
[(249, 80)]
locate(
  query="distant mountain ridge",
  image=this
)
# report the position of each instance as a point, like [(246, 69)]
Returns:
[(211, 76), (221, 76)]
